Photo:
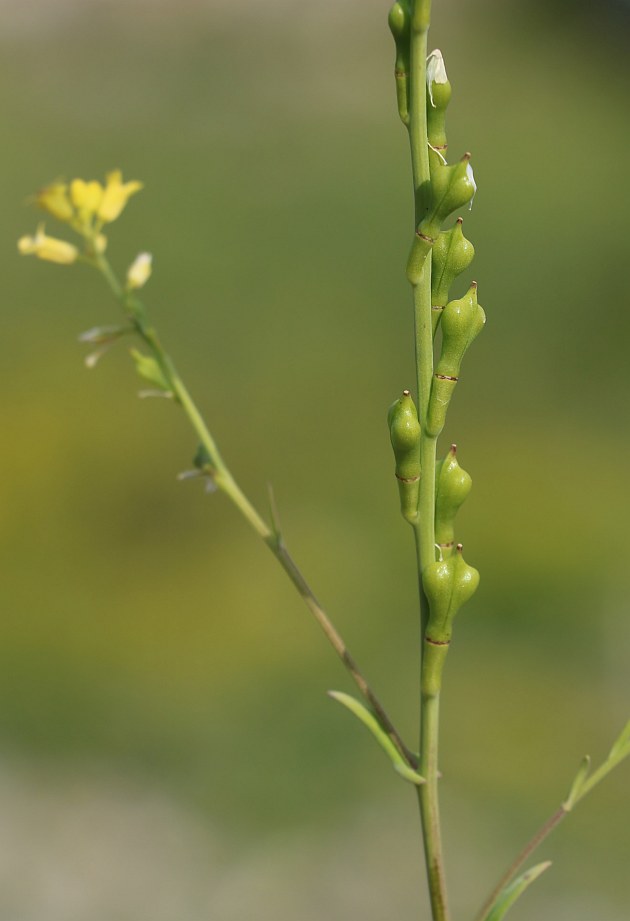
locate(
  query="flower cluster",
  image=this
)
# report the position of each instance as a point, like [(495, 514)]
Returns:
[(86, 207)]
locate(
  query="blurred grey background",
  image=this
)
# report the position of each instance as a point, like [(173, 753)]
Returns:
[(167, 750)]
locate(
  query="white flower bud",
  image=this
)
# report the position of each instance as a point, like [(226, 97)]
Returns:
[(436, 71), (139, 271)]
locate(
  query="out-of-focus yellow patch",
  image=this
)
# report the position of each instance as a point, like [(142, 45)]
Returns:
[(48, 248), (116, 195)]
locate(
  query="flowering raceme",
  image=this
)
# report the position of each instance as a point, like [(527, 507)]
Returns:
[(85, 207)]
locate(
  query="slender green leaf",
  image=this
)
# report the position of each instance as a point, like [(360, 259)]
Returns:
[(514, 890), (578, 783), (619, 751), (370, 722), (621, 747)]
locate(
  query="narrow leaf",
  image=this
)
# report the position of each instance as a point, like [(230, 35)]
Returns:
[(148, 368), (576, 786), (370, 722), (100, 335), (619, 751), (514, 890), (621, 747)]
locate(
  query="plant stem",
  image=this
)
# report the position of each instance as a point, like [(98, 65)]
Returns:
[(227, 484), (429, 806), (420, 18), (425, 529), (527, 851)]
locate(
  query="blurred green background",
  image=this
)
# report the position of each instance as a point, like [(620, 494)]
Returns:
[(167, 750)]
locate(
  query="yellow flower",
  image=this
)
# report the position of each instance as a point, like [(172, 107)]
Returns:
[(139, 271), (54, 199), (116, 195), (48, 248), (86, 198)]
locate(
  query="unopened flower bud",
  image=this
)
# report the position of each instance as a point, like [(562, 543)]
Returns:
[(48, 248), (438, 98), (452, 486), (139, 271), (462, 321), (404, 432)]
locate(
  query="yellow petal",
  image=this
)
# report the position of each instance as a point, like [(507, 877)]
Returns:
[(86, 197), (116, 195), (54, 199)]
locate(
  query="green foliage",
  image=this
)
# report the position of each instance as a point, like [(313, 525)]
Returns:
[(369, 720), (515, 890)]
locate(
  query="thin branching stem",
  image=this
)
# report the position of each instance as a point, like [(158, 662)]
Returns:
[(227, 484)]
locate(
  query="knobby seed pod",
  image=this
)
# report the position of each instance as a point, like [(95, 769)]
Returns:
[(400, 26), (451, 188), (452, 486), (447, 585), (438, 98), (452, 254), (404, 432), (462, 321)]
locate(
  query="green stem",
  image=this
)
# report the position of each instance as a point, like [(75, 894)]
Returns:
[(418, 140), (228, 485), (425, 529), (429, 806)]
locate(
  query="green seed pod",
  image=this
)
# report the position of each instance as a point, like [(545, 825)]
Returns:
[(404, 432), (438, 98), (400, 26), (452, 486), (452, 187), (448, 585), (462, 321), (452, 254)]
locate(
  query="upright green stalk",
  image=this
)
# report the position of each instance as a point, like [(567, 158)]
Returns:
[(425, 524)]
